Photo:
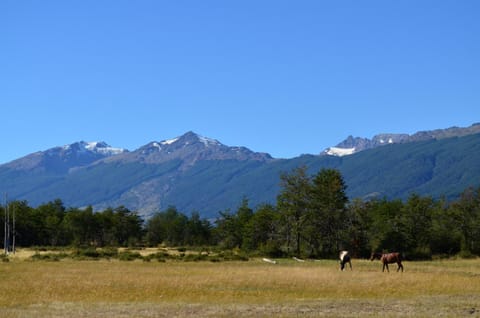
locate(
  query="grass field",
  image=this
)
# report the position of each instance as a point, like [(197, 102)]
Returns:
[(103, 288)]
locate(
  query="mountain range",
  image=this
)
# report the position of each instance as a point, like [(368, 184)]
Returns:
[(196, 173), (352, 144)]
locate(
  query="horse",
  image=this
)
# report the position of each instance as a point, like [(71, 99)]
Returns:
[(345, 258), (388, 258)]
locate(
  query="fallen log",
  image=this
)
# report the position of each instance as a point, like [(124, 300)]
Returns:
[(271, 261)]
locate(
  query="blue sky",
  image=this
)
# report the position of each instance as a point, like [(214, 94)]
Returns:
[(283, 77)]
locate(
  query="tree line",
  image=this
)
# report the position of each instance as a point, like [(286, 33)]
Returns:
[(312, 217)]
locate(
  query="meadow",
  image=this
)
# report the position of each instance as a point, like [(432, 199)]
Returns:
[(113, 288)]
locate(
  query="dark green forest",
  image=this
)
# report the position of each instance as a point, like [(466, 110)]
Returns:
[(312, 218)]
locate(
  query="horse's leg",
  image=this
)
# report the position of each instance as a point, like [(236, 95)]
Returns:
[(386, 265), (400, 266), (349, 262)]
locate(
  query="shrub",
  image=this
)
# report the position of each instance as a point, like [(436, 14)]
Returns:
[(129, 256), (232, 256), (195, 257), (86, 253), (54, 257), (4, 258), (271, 249), (420, 254), (466, 254), (159, 256), (108, 252)]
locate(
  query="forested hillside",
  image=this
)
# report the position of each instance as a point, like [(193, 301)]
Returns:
[(312, 217)]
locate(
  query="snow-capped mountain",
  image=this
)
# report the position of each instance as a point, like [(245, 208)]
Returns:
[(61, 159), (94, 173), (353, 145), (189, 148)]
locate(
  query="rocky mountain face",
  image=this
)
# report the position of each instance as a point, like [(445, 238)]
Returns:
[(353, 145), (189, 149)]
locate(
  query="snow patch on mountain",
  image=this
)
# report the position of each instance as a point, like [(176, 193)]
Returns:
[(189, 138), (339, 152), (98, 147), (169, 141), (208, 141), (103, 148), (389, 141)]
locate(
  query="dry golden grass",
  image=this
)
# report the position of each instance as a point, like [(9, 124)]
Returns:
[(254, 288)]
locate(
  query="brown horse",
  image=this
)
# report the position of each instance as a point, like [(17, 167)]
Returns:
[(388, 258)]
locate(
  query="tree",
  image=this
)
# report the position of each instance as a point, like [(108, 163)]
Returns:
[(81, 225), (198, 231), (465, 213), (25, 227), (231, 227), (327, 219), (127, 226), (166, 227), (293, 205), (446, 237), (359, 226), (261, 231), (52, 214), (417, 219), (388, 231), (106, 234)]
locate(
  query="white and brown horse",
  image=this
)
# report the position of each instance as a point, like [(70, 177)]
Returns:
[(344, 259), (388, 258)]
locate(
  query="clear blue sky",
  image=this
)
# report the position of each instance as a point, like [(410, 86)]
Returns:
[(283, 77)]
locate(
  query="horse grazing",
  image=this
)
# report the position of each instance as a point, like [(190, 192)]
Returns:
[(388, 258), (345, 258)]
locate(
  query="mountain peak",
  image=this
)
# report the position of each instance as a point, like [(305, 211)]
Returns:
[(64, 158), (190, 138), (97, 147), (190, 148), (353, 145)]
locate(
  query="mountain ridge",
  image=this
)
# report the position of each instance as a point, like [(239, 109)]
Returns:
[(353, 144), (196, 173), (62, 158), (189, 147)]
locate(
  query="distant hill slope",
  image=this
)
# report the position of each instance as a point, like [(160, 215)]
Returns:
[(435, 167), (195, 173)]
